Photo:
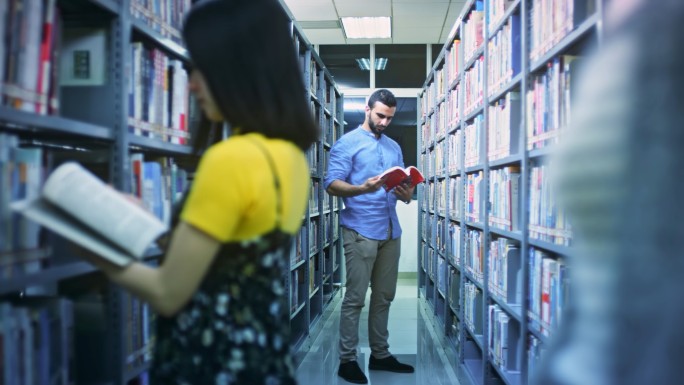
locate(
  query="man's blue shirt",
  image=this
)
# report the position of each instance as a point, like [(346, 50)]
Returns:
[(355, 157)]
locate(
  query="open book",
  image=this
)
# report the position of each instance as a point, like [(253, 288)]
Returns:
[(80, 207), (397, 175)]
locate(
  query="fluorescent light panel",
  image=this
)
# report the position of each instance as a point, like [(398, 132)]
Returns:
[(367, 27), (364, 64)]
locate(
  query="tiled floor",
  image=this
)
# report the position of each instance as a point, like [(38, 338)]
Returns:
[(412, 340)]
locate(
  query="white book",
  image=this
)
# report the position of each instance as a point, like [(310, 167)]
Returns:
[(80, 207)]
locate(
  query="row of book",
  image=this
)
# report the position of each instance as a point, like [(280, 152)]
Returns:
[(547, 100), (312, 158), (22, 173), (548, 279), (504, 55), (502, 127), (473, 87), (473, 139), (300, 286), (474, 193), (504, 198), (496, 10), (37, 342), (158, 95), (547, 221), (472, 33), (551, 21), (159, 183), (503, 335), (313, 197), (548, 290), (138, 331), (29, 58), (451, 62), (163, 16)]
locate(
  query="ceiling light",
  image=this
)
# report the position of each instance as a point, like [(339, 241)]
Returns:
[(367, 27), (364, 64)]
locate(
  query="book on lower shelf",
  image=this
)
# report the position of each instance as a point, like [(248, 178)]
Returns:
[(397, 175), (80, 207)]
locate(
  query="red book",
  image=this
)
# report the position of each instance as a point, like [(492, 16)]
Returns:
[(396, 175)]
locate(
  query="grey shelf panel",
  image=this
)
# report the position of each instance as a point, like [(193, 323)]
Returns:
[(511, 159), (470, 170), (572, 38), (454, 312), (477, 111), (476, 56), (472, 279), (478, 338), (108, 5), (513, 84), (137, 371), (157, 145), (472, 370), (296, 265), (455, 128), (297, 311), (544, 339), (515, 235), (164, 42), (315, 291), (46, 276), (548, 246), (22, 121), (476, 225), (514, 310), (543, 152), (509, 378)]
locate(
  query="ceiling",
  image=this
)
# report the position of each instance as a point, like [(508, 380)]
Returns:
[(413, 21)]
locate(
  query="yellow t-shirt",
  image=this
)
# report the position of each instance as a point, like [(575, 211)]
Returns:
[(233, 195)]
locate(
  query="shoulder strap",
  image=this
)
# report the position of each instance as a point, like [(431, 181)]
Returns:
[(276, 181)]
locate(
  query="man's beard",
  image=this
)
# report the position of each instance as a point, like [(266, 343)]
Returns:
[(374, 128)]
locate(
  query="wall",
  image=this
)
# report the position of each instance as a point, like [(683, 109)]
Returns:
[(408, 218)]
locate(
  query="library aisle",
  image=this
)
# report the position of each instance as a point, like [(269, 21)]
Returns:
[(413, 340)]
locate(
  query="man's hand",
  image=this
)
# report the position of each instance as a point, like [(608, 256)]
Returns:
[(373, 184), (404, 192)]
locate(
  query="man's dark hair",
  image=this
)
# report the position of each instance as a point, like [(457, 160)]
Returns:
[(383, 96), (245, 51)]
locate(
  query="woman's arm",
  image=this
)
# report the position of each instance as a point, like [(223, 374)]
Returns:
[(168, 287)]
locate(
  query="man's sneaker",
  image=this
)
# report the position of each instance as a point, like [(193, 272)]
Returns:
[(351, 372), (389, 364)]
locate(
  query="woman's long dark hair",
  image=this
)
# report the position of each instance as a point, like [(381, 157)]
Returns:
[(245, 51)]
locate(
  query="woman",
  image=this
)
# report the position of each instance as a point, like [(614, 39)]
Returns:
[(219, 291)]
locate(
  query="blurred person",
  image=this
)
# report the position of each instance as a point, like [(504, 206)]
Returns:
[(371, 234), (619, 175)]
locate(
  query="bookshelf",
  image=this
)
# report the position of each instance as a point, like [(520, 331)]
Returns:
[(315, 270), (493, 244), (126, 127)]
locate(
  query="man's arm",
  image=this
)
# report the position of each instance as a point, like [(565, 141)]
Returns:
[(343, 189)]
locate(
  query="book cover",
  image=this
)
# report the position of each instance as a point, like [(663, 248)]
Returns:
[(397, 175)]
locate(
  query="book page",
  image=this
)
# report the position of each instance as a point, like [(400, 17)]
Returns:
[(51, 217), (89, 200)]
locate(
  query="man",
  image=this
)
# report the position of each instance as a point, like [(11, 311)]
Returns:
[(371, 234)]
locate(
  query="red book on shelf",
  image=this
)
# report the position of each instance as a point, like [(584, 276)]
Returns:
[(396, 175)]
